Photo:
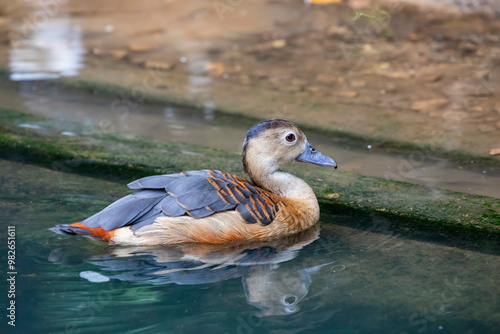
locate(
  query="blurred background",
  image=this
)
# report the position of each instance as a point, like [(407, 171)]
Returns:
[(372, 75)]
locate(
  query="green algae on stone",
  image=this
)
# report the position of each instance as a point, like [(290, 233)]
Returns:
[(113, 157), (357, 141)]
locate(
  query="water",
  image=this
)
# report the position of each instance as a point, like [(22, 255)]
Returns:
[(204, 127), (46, 50), (349, 274)]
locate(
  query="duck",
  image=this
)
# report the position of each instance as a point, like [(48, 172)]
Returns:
[(214, 207)]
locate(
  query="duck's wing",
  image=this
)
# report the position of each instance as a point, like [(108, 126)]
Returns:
[(255, 205), (195, 193)]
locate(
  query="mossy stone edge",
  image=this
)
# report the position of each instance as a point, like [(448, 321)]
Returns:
[(115, 158)]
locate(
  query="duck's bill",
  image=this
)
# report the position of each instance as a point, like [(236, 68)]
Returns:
[(312, 156)]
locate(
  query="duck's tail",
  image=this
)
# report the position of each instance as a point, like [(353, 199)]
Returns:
[(79, 229)]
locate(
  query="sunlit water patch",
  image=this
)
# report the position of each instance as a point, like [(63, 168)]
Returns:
[(46, 50)]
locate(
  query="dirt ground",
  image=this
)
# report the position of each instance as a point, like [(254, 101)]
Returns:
[(428, 74)]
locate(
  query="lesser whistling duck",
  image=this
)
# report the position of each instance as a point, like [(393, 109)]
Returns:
[(209, 206)]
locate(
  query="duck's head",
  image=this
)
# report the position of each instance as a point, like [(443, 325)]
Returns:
[(272, 143)]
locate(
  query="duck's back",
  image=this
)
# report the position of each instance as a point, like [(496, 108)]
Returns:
[(194, 197)]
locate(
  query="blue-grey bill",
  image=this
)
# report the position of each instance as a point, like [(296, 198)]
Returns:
[(312, 156)]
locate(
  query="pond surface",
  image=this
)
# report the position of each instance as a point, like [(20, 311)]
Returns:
[(349, 274)]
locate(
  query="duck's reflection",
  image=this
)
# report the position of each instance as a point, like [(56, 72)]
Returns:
[(273, 289)]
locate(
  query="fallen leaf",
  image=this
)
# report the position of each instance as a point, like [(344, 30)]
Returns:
[(347, 93), (215, 68), (428, 104), (322, 2), (139, 47), (495, 151), (279, 43), (118, 54), (158, 65)]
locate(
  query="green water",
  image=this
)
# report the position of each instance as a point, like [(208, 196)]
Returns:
[(350, 274)]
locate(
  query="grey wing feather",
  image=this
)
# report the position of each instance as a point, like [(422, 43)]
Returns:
[(161, 196), (154, 182), (189, 185), (125, 211), (220, 206), (197, 196), (200, 213), (150, 217), (196, 200), (171, 208), (203, 173)]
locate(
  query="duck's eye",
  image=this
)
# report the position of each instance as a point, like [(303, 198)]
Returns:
[(290, 137)]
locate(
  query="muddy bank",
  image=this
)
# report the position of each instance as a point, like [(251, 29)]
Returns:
[(390, 71)]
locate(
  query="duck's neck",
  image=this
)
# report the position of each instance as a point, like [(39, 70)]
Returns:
[(284, 184), (266, 175), (296, 191)]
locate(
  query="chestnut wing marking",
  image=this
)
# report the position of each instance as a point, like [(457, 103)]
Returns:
[(253, 203)]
